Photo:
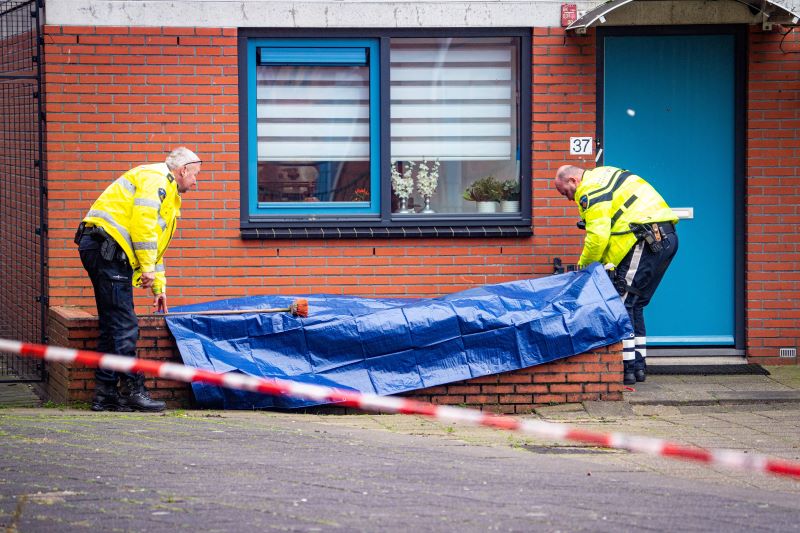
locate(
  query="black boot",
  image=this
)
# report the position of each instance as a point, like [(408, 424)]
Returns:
[(628, 376), (106, 397), (640, 368), (134, 396)]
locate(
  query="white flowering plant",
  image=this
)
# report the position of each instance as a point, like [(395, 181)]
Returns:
[(427, 178), (403, 184)]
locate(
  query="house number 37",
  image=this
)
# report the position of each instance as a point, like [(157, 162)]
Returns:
[(580, 146)]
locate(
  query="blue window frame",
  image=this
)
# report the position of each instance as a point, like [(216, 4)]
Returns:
[(331, 121), (315, 69)]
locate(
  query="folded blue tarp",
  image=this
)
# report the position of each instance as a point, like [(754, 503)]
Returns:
[(390, 345)]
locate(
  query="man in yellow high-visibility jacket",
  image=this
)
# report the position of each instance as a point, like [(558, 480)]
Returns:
[(121, 241), (631, 230)]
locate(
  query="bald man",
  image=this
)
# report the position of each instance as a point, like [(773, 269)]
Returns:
[(121, 242), (631, 230)]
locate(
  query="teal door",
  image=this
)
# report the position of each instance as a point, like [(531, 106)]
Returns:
[(668, 114)]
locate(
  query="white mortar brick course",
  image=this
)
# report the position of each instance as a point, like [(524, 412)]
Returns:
[(322, 14), (389, 13)]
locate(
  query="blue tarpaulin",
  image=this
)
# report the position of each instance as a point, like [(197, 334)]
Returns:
[(392, 345)]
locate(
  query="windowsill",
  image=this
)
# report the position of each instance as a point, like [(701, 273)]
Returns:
[(378, 232)]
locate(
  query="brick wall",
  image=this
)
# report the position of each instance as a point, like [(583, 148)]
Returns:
[(115, 104), (587, 377), (71, 327), (591, 376), (118, 97), (563, 105), (773, 196)]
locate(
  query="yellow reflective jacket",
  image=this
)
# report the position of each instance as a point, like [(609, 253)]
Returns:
[(139, 210), (609, 199)]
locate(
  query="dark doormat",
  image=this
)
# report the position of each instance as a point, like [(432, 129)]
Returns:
[(706, 370)]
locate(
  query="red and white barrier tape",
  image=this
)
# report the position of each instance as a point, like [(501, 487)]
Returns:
[(394, 404)]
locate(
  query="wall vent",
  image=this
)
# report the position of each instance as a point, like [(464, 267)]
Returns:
[(787, 352)]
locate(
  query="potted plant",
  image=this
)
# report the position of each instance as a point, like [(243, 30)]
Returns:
[(361, 195), (509, 202), (427, 181), (403, 184), (486, 191)]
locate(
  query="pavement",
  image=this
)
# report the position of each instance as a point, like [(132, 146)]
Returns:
[(65, 469), (782, 385)]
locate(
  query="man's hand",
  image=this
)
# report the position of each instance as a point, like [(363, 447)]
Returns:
[(147, 279), (160, 303)]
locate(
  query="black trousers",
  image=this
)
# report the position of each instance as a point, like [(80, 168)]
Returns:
[(113, 295), (637, 278)]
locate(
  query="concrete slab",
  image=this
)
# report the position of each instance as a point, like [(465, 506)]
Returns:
[(609, 409), (18, 395)]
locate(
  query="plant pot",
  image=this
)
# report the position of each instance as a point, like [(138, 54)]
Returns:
[(427, 209), (487, 207), (509, 206), (404, 209)]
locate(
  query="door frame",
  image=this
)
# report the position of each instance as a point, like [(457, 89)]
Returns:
[(739, 32)]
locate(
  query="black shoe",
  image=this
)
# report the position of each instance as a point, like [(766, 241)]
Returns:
[(106, 397), (628, 375), (640, 368), (133, 395)]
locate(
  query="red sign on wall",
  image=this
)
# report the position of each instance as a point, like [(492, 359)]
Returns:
[(569, 14)]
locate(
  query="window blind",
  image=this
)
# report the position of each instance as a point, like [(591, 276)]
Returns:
[(453, 99), (312, 112)]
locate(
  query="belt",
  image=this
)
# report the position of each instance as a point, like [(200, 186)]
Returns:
[(666, 227), (95, 232)]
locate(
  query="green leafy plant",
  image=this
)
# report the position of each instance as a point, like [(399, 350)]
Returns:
[(485, 189), (510, 190)]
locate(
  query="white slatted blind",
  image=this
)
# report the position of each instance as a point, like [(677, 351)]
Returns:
[(312, 113), (453, 99)]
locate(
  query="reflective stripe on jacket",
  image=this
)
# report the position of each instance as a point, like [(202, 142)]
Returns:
[(609, 199), (139, 210)]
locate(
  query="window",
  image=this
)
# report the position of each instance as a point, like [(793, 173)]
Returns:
[(378, 135), (313, 117)]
